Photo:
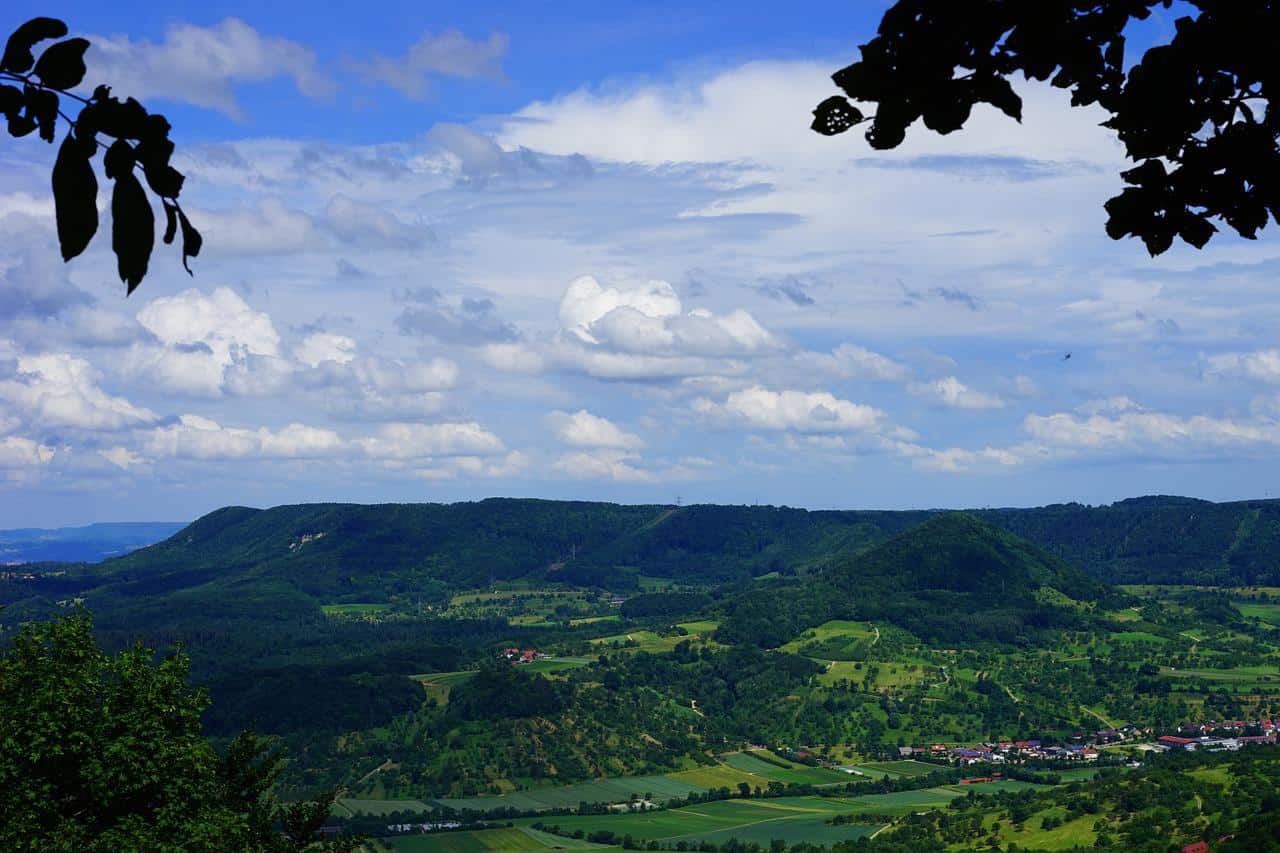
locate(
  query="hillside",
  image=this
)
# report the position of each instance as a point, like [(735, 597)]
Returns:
[(953, 578)]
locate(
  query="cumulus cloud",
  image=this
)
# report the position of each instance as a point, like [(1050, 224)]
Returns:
[(196, 437), (372, 226), (850, 361), (650, 320), (319, 347), (17, 452), (583, 429), (604, 464), (954, 394), (57, 390), (201, 336), (405, 442), (204, 65), (1260, 365), (447, 54), (800, 411)]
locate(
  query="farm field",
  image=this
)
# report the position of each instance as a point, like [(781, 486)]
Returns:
[(793, 819), (901, 768), (1269, 613), (514, 839), (616, 790), (797, 773), (367, 609)]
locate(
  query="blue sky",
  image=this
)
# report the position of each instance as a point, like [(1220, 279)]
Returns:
[(592, 251)]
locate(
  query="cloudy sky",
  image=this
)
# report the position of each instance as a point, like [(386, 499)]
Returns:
[(582, 250)]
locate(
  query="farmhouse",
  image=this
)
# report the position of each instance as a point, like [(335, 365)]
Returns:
[(521, 656), (1172, 742)]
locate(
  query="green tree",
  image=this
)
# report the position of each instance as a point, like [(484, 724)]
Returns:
[(105, 752), (1196, 114)]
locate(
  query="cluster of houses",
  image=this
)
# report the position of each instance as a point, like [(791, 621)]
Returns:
[(1084, 747), (434, 826), (521, 656)]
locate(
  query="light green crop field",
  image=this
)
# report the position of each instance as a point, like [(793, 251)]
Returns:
[(720, 776), (1136, 637), (703, 627), (591, 620), (1269, 613), (618, 790), (513, 839), (902, 768), (796, 773), (367, 609), (438, 684), (383, 807), (793, 819)]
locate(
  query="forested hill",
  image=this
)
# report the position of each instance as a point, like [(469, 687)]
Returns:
[(953, 578), (1142, 540)]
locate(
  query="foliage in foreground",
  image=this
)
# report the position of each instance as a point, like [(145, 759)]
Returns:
[(105, 753)]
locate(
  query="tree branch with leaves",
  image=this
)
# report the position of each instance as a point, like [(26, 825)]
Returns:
[(33, 92), (1196, 114)]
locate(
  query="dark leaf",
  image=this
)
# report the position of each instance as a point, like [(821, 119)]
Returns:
[(17, 51), (11, 101), (191, 241), (75, 195), (999, 93), (119, 160), (62, 65), (121, 119), (164, 180), (133, 229), (42, 107), (170, 222), (20, 124), (1196, 230), (835, 115)]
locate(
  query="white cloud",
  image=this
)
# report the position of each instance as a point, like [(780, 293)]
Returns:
[(448, 54), (953, 393), (196, 437), (583, 429), (57, 390), (851, 361), (650, 320), (799, 411), (1261, 365), (320, 347), (603, 464), (405, 442), (203, 65), (17, 452), (359, 223), (266, 227), (202, 337)]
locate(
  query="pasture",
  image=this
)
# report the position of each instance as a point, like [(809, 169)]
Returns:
[(792, 819), (367, 609), (513, 839)]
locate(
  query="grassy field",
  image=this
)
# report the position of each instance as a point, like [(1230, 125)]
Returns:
[(720, 776), (353, 609), (797, 773), (1269, 613), (514, 839), (617, 790), (901, 768), (792, 819)]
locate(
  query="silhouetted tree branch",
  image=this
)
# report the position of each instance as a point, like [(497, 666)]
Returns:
[(1195, 114), (139, 141)]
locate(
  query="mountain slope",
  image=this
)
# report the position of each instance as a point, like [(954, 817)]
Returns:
[(953, 579)]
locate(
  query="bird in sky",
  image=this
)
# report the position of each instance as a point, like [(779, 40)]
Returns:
[(1067, 357)]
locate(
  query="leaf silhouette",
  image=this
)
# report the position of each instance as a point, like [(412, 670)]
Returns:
[(170, 221), (133, 229), (75, 195), (191, 241), (42, 108), (17, 51), (62, 65)]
